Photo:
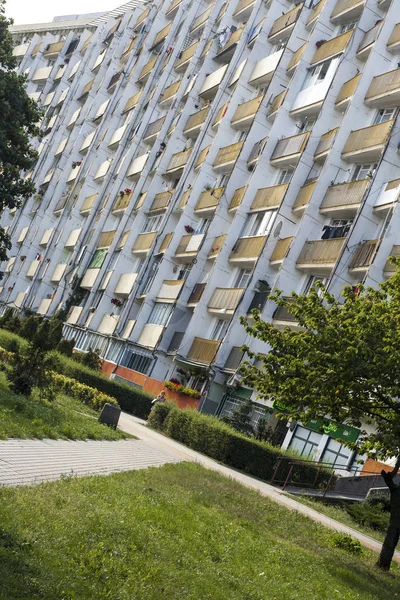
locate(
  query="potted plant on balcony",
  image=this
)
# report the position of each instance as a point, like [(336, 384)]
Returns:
[(116, 302), (189, 229)]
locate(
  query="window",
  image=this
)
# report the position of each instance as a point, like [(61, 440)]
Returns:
[(161, 313), (285, 176), (336, 454), (98, 258), (242, 278), (305, 442), (347, 27), (384, 114), (152, 223), (279, 46), (203, 226), (363, 172), (311, 283), (306, 125), (219, 330), (317, 73), (259, 223), (183, 273)]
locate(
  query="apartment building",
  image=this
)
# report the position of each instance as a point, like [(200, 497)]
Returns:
[(196, 155)]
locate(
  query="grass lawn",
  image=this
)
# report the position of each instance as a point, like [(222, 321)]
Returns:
[(65, 418), (174, 532)]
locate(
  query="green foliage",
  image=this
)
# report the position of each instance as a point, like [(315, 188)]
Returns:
[(344, 541), (373, 512), (19, 114), (66, 347), (210, 436), (181, 389), (342, 362), (90, 359), (240, 418), (85, 394)]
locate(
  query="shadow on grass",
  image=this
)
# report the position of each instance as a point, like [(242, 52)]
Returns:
[(17, 578)]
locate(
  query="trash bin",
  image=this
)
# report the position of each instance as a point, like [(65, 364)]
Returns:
[(110, 415)]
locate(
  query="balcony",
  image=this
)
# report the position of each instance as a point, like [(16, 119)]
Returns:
[(280, 251), (61, 204), (203, 351), (236, 200), (136, 167), (245, 113), (108, 324), (347, 11), (332, 48), (202, 157), (384, 91), (41, 75), (226, 52), (165, 243), (220, 115), (368, 41), (160, 36), (169, 94), (247, 250), (196, 294), (211, 83), (132, 102), (224, 301), (388, 197), (161, 201), (89, 278), (303, 198), (365, 146), (127, 50), (141, 19), (208, 202), (199, 23), (363, 257), (53, 50), (147, 69), (243, 10), (178, 162), (282, 318), (44, 306), (393, 44), (195, 121), (389, 268), (74, 314), (288, 151), (121, 204), (269, 198), (315, 12), (216, 246), (58, 273), (324, 145), (183, 200), (320, 256), (276, 104), (152, 131), (185, 57), (264, 70), (255, 153), (234, 359), (296, 58), (173, 9), (346, 93), (85, 92), (343, 200), (227, 157), (170, 290), (88, 204), (283, 26), (144, 243), (113, 81), (188, 247), (20, 50)]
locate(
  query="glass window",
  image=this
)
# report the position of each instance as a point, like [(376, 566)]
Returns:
[(384, 114), (285, 176), (219, 330), (259, 223), (311, 283), (242, 278), (336, 454), (363, 172), (152, 223), (305, 442), (98, 258), (347, 27), (161, 313)]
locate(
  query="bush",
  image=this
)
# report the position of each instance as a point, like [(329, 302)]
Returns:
[(210, 436), (346, 542), (81, 392), (374, 515), (90, 359)]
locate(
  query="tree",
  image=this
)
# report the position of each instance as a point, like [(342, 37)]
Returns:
[(240, 418), (342, 362), (19, 114)]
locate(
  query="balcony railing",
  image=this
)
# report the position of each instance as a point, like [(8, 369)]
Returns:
[(269, 198), (277, 103), (247, 111), (303, 197), (170, 290), (189, 245), (144, 242), (344, 197), (209, 200), (106, 239), (243, 6), (141, 18), (227, 155), (203, 351), (285, 21), (147, 69), (153, 129), (225, 300), (169, 92), (132, 101), (256, 151), (173, 6), (234, 359), (347, 9), (114, 80), (231, 44), (390, 268), (282, 314), (53, 49), (384, 90), (220, 114), (161, 35), (281, 250), (185, 57), (165, 243), (368, 143), (237, 198), (88, 204), (196, 294), (332, 47), (201, 19), (183, 200), (296, 58), (289, 147), (315, 12), (202, 156), (368, 40), (320, 254), (216, 246), (247, 249), (121, 203), (325, 144), (196, 120), (347, 91), (394, 39), (178, 161), (364, 255), (161, 201)]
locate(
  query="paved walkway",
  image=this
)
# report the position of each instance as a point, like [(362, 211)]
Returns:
[(23, 462), (152, 438)]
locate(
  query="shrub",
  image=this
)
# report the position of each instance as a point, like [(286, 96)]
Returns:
[(373, 515), (210, 436), (90, 359), (346, 542), (83, 393)]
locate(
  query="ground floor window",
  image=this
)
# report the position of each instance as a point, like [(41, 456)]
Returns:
[(336, 454), (305, 442)]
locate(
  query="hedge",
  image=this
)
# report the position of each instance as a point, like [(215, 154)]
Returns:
[(217, 440), (85, 394)]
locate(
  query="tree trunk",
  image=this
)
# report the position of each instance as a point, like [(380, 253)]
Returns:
[(393, 531)]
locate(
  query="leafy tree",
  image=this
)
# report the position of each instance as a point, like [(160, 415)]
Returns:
[(343, 362), (240, 418), (19, 114)]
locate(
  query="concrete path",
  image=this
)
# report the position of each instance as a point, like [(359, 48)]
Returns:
[(24, 462), (137, 427)]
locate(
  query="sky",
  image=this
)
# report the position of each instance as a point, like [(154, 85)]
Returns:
[(42, 11)]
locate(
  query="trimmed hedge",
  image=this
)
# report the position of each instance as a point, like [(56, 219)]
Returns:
[(214, 438), (85, 394)]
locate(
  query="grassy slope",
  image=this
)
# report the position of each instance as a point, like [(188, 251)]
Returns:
[(175, 532), (28, 418)]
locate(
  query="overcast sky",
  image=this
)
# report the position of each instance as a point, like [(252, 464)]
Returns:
[(42, 11)]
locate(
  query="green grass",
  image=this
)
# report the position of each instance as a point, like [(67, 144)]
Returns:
[(340, 514), (175, 532), (65, 418)]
